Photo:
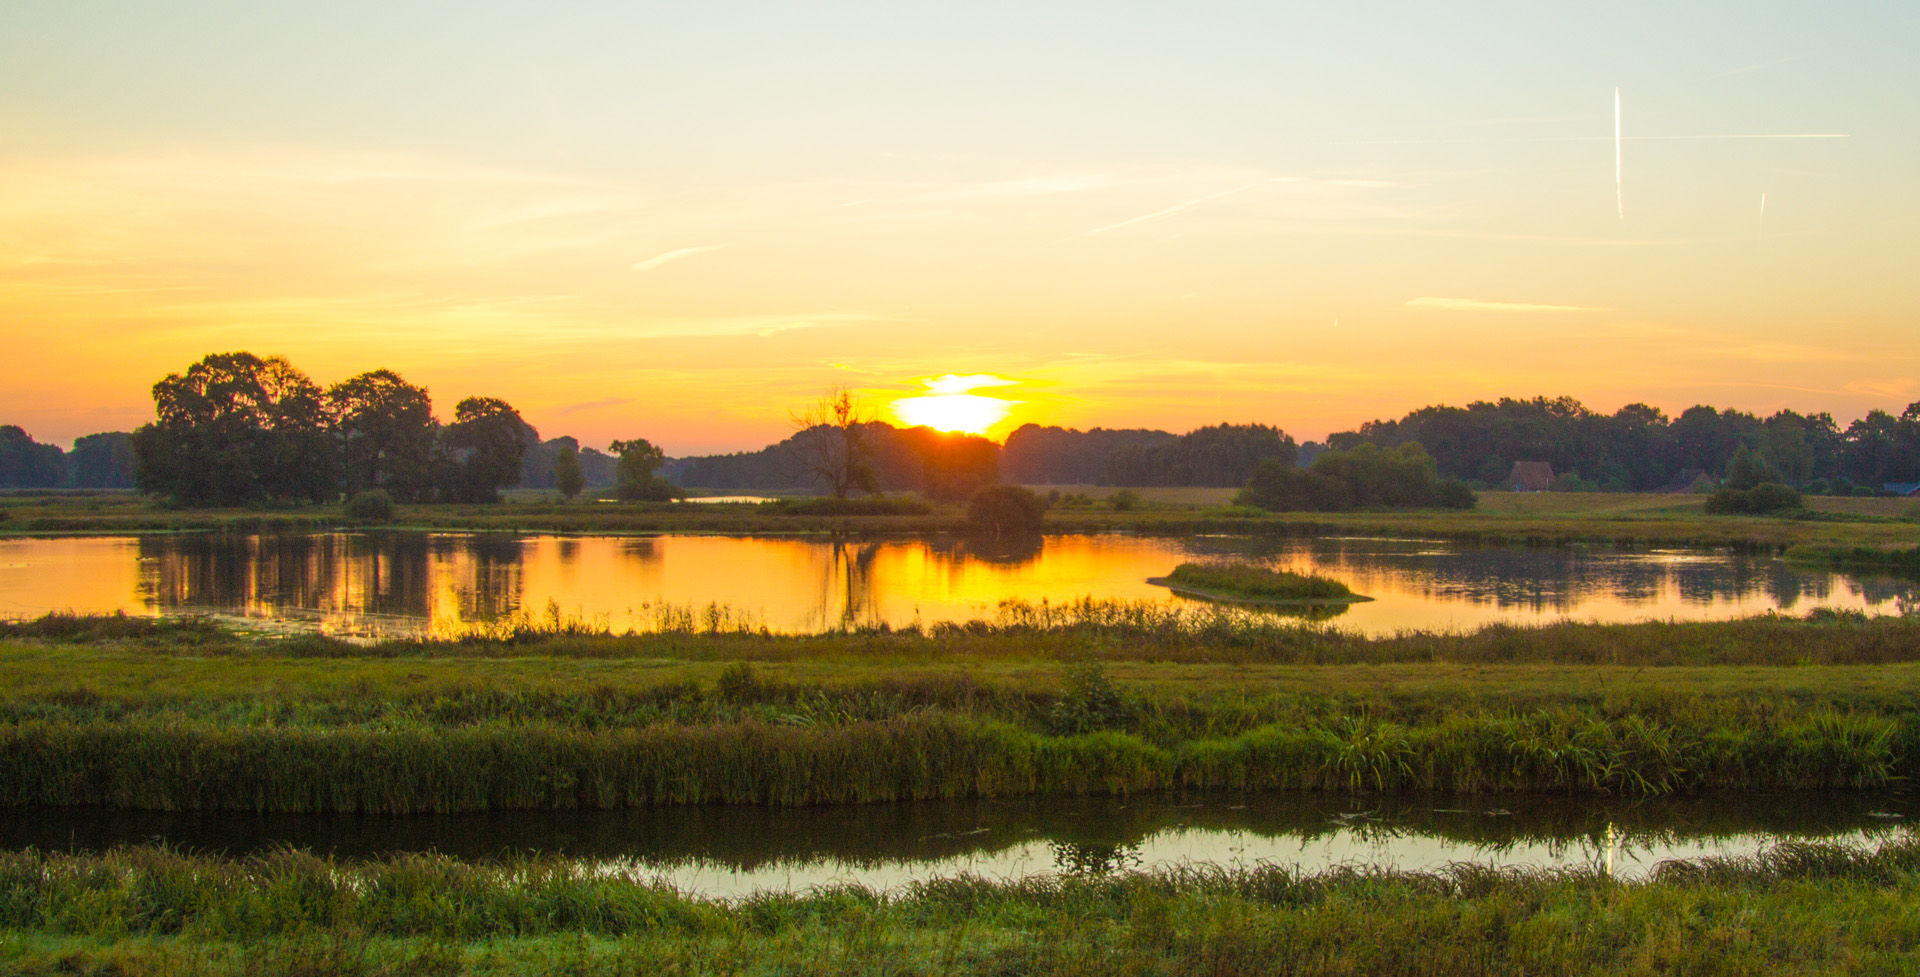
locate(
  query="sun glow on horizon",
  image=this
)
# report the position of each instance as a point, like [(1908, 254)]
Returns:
[(950, 405)]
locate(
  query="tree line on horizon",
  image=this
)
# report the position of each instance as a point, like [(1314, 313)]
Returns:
[(97, 461), (1640, 448), (235, 429)]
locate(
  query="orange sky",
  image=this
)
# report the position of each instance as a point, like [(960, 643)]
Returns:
[(685, 232)]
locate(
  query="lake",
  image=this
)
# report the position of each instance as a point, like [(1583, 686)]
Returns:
[(734, 851), (402, 583)]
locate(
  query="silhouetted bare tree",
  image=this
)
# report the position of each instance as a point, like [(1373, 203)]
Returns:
[(832, 444)]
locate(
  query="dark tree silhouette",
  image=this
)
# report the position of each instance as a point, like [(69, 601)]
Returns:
[(481, 449), (1223, 455), (102, 461), (634, 466), (1361, 478), (567, 476), (832, 444), (236, 429), (26, 463), (385, 429), (1006, 510)]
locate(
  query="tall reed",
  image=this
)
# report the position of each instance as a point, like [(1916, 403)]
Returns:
[(189, 766)]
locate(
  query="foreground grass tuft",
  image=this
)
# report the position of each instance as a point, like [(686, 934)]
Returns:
[(1804, 909)]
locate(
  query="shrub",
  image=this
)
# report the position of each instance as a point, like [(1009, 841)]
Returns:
[(740, 683), (1762, 499), (1006, 509), (651, 489), (1089, 702), (373, 505), (1125, 500), (1365, 477)]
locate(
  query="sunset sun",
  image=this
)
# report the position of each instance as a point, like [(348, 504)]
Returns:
[(950, 404)]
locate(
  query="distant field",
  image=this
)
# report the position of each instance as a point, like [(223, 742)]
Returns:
[(1155, 495), (1502, 517)]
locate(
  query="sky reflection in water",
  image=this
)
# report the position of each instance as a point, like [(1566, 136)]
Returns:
[(729, 851), (399, 583)]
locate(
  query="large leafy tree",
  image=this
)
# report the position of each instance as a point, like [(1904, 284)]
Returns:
[(385, 429), (482, 449), (236, 429), (635, 462)]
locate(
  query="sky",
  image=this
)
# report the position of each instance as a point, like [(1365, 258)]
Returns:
[(684, 222)]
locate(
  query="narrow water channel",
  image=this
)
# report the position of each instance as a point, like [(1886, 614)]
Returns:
[(732, 851)]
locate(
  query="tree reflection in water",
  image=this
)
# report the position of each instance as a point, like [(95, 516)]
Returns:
[(401, 582)]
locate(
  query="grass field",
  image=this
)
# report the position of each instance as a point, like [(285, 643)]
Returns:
[(1108, 699), (1098, 698), (1800, 909), (1548, 518)]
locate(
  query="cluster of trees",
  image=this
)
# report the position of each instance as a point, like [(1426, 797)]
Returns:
[(1363, 477), (1221, 456), (858, 457), (1036, 455), (541, 468), (1639, 448), (954, 465), (96, 461), (236, 429)]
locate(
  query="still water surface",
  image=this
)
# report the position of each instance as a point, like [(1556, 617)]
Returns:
[(731, 851), (406, 583)]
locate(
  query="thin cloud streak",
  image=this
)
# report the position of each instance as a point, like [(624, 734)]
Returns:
[(1476, 305), (674, 255), (1180, 207)]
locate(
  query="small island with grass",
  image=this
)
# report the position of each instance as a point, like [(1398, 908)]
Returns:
[(1244, 583)]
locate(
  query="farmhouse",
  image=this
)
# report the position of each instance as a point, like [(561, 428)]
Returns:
[(1690, 480)]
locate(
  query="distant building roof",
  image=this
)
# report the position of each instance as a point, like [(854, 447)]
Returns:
[(1689, 480), (1904, 488), (1531, 476)]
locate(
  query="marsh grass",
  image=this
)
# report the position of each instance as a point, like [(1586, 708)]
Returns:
[(1800, 908), (918, 755), (1091, 699), (1260, 583)]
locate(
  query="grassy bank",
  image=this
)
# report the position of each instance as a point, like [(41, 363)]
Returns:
[(1804, 909), (1858, 559), (1541, 518), (1118, 699)]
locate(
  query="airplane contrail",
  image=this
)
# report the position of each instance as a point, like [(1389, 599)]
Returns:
[(1763, 213), (1619, 182)]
